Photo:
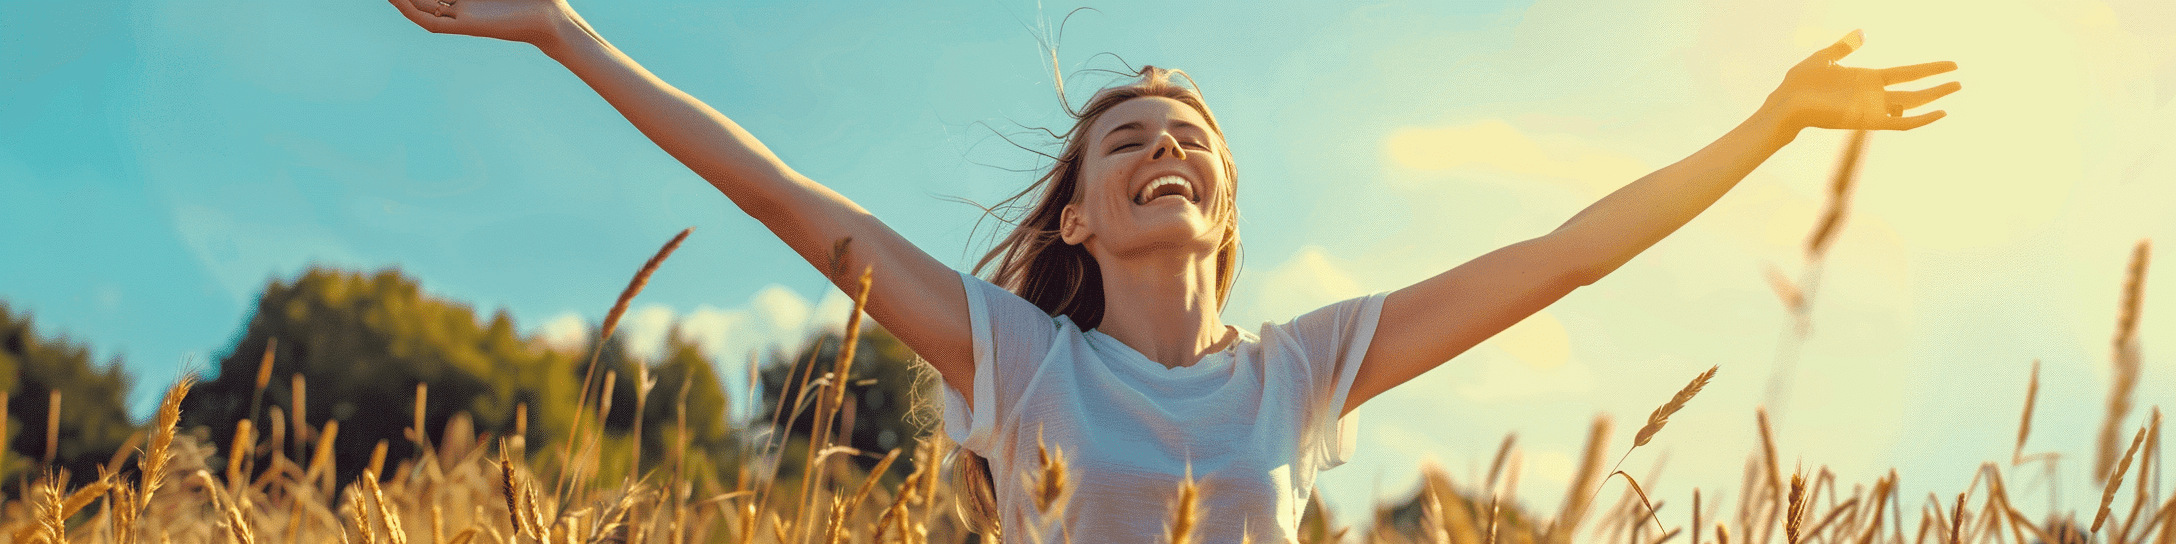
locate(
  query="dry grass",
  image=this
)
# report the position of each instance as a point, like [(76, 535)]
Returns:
[(467, 495), (2126, 362)]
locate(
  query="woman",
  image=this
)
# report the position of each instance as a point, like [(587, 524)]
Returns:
[(1105, 338)]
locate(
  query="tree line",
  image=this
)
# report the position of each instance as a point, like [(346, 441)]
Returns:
[(358, 359)]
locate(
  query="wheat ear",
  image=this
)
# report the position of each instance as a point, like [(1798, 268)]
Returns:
[(2115, 480), (612, 321), (2126, 361), (1186, 512)]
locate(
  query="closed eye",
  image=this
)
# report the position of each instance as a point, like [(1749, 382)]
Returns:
[(1124, 147)]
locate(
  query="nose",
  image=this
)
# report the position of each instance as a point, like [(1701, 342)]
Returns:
[(1169, 144)]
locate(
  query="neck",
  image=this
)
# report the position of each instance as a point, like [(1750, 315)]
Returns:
[(1173, 323)]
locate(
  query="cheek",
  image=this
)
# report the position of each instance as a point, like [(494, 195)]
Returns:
[(1098, 185)]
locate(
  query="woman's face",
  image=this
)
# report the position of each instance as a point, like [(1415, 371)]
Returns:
[(1149, 175)]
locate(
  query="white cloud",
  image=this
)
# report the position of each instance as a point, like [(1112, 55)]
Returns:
[(644, 328), (1495, 146), (1310, 279), (774, 317), (567, 331)]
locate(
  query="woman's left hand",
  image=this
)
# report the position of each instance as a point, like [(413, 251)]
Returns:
[(1818, 93)]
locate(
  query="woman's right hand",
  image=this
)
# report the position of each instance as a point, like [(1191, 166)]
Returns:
[(526, 21)]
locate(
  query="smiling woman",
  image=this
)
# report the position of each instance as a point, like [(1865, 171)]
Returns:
[(1099, 329)]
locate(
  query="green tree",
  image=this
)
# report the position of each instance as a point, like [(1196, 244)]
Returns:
[(94, 420), (362, 343)]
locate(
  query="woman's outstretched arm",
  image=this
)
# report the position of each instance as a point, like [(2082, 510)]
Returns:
[(917, 298), (1429, 322)]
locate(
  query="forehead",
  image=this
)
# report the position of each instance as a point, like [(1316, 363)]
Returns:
[(1148, 112)]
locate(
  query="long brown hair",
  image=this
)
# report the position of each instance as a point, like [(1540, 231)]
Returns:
[(1062, 279)]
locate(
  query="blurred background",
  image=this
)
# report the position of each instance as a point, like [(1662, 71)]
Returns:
[(184, 180)]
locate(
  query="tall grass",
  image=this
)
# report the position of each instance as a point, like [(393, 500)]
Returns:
[(462, 487)]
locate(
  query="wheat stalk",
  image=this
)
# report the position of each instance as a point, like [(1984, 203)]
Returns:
[(512, 491), (264, 377), (1847, 170), (321, 461), (50, 506), (1590, 467), (1185, 512), (1496, 466), (1049, 484), (391, 519), (831, 400), (2146, 465), (52, 425), (1661, 415), (1775, 478), (1655, 421), (1797, 509), (237, 523), (2108, 494), (153, 462), (237, 454), (611, 322), (2024, 423), (298, 393), (1651, 504), (2126, 361), (1956, 522)]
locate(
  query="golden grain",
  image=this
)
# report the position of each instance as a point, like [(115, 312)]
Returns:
[(1661, 415), (1185, 511), (1589, 474), (52, 519), (264, 377), (2124, 379), (2108, 494), (52, 425), (1847, 170), (1797, 508), (2024, 423), (611, 322)]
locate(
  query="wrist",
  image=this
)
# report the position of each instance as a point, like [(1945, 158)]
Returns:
[(1773, 119), (564, 31)]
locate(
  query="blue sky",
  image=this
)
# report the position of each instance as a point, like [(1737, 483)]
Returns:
[(162, 160)]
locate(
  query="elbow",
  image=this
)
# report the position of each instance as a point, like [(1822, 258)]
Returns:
[(1582, 276), (1586, 273)]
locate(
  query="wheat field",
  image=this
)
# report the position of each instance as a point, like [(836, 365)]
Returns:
[(465, 487)]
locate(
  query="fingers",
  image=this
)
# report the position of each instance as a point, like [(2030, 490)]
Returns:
[(1900, 74), (1908, 123), (1904, 100), (434, 7), (1838, 50), (420, 17)]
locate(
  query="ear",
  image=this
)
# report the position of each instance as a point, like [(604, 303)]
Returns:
[(1071, 227)]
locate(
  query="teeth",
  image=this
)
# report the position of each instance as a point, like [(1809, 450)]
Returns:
[(1152, 187)]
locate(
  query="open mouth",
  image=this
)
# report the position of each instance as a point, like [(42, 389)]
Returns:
[(1166, 186)]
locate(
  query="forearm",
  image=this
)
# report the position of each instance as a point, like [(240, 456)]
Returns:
[(1611, 231)]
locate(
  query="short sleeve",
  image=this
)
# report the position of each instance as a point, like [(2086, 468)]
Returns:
[(1010, 335), (1331, 342)]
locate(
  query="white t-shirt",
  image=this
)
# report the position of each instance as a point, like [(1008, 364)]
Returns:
[(1255, 422)]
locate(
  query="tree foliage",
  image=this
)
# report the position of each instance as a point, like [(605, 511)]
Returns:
[(94, 421), (362, 342)]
